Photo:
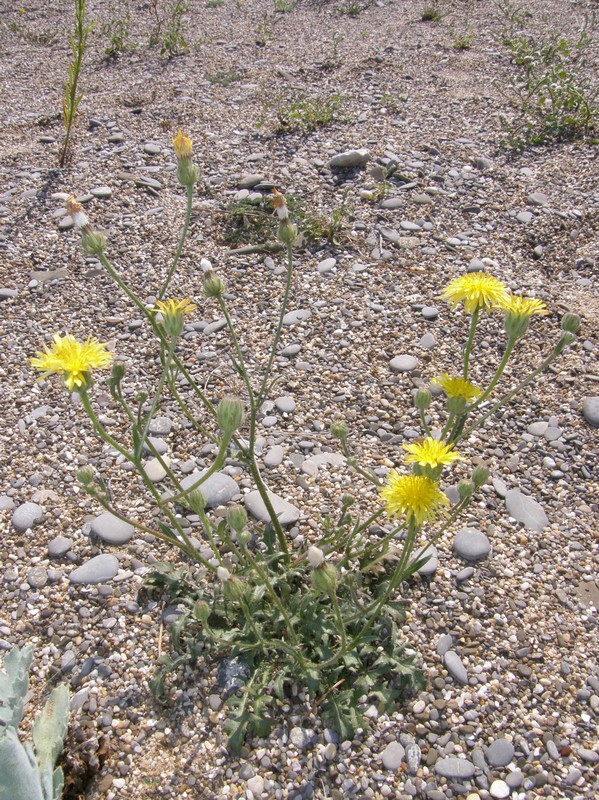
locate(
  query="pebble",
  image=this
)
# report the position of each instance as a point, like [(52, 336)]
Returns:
[(152, 148), (430, 312), (154, 469), (293, 317), (500, 753), (7, 294), (274, 456), (514, 779), (302, 737), (524, 216), (428, 341), (97, 570), (326, 266), (250, 179), (455, 768), (465, 574), (287, 513), (455, 667), (403, 363), (161, 426), (101, 192), (590, 756), (256, 785), (218, 490), (111, 529), (285, 404), (350, 158), (444, 643), (393, 202), (499, 789), (431, 565), (590, 411), (26, 515), (526, 510), (58, 546), (537, 199), (413, 757), (392, 756), (471, 544), (37, 577)]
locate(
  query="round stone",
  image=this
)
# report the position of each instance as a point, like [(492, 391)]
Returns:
[(499, 789), (471, 544), (430, 312), (160, 426), (327, 265), (37, 577), (524, 216), (111, 529), (428, 341), (154, 469), (392, 756), (526, 510), (501, 752), (97, 570), (590, 411), (455, 667), (403, 363), (537, 199), (152, 148), (26, 515), (456, 768), (59, 546), (274, 456), (285, 404)]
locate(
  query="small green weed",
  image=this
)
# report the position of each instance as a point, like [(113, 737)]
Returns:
[(72, 98), (431, 14), (550, 97), (285, 6), (215, 3), (44, 39), (308, 114), (463, 41), (352, 8), (117, 31), (225, 77), (168, 29), (264, 31)]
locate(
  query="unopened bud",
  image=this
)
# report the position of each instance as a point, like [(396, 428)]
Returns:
[(213, 285), (422, 400), (566, 340), (234, 588), (516, 325), (196, 501), (237, 518), (187, 173), (339, 430), (287, 232), (347, 501), (571, 323), (480, 475), (201, 611), (325, 578), (94, 242), (118, 372), (230, 414), (86, 476), (315, 557), (456, 405), (465, 490)]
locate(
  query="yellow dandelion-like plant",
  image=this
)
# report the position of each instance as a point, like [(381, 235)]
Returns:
[(182, 147), (415, 496), (431, 453), (75, 360), (175, 308), (476, 290), (524, 306), (458, 387)]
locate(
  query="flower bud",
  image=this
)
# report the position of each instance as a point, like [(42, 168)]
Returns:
[(566, 340), (187, 173), (201, 611), (213, 285), (347, 501), (287, 232), (196, 501), (315, 557), (480, 475), (234, 588), (456, 405), (230, 415), (325, 578), (422, 400), (237, 518), (571, 323), (86, 476), (118, 372), (339, 430), (94, 242), (244, 537), (465, 490), (182, 147), (516, 325)]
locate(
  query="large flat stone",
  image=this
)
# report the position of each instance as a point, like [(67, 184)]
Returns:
[(287, 513)]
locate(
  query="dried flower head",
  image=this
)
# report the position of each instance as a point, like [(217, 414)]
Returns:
[(476, 290), (415, 496), (431, 453), (458, 387), (75, 360), (279, 204), (76, 212)]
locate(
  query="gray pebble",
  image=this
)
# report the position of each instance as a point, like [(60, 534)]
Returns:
[(524, 216), (152, 148), (590, 411), (455, 667), (26, 515), (111, 529), (287, 513), (218, 490), (101, 192), (526, 510), (327, 265), (455, 768), (161, 426), (428, 341), (37, 577), (350, 158), (403, 363), (285, 404), (471, 544), (392, 756), (97, 570), (501, 752), (293, 317), (59, 546), (464, 574), (249, 180), (537, 199), (430, 312), (444, 643), (301, 737), (514, 779), (413, 757), (6, 503), (274, 456)]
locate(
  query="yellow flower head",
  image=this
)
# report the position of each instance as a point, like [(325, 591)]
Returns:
[(75, 360), (182, 145), (174, 307), (524, 306), (458, 387), (476, 290), (416, 496), (431, 453)]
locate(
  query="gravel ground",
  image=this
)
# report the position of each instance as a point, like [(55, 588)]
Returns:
[(509, 643)]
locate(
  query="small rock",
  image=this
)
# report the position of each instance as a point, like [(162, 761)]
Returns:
[(428, 341), (152, 148), (471, 544), (526, 510), (26, 515), (287, 513), (101, 192), (327, 265), (392, 756), (455, 768), (444, 643), (274, 456), (37, 577), (301, 737), (590, 411), (524, 216), (293, 317), (97, 570), (501, 752), (430, 312), (482, 163), (537, 199), (499, 789), (403, 363), (154, 469), (285, 404), (413, 757), (249, 180), (455, 667), (111, 529), (218, 490), (59, 546), (256, 785), (350, 158)]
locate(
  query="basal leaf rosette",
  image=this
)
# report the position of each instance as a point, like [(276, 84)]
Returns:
[(72, 359)]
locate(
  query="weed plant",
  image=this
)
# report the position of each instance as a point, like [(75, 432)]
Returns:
[(117, 32), (431, 13), (169, 28), (551, 99), (72, 98), (306, 114), (325, 615)]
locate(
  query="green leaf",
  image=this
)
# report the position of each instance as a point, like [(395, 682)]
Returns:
[(49, 731)]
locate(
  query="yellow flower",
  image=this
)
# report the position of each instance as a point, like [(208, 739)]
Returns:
[(476, 290), (174, 307), (75, 360), (416, 496), (524, 306), (458, 387), (182, 146), (431, 453)]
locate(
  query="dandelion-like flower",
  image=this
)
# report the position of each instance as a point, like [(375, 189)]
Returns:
[(174, 307), (416, 496), (476, 290), (458, 387), (182, 147), (431, 453), (524, 306), (75, 360)]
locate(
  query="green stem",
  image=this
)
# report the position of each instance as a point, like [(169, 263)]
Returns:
[(217, 464), (157, 396), (339, 618), (240, 359), (499, 372), (470, 342), (171, 271)]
